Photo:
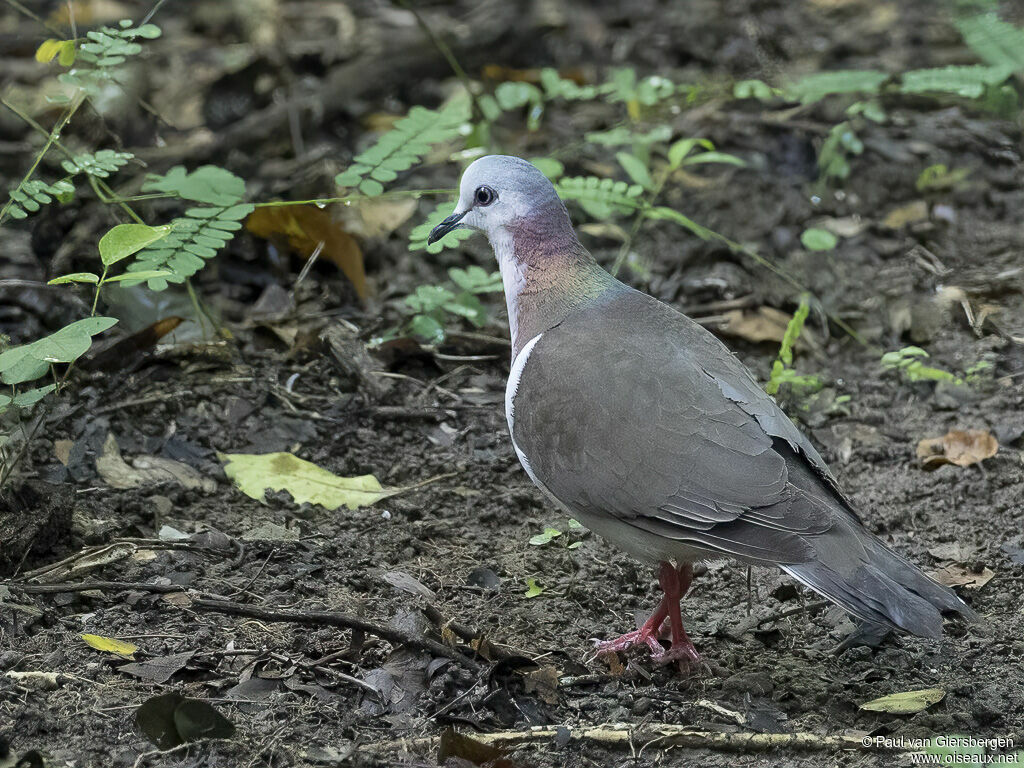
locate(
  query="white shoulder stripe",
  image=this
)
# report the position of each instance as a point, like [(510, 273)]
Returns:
[(510, 396), (514, 376)]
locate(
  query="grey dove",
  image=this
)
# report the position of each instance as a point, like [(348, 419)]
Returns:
[(639, 423)]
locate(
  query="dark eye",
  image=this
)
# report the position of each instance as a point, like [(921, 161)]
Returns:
[(485, 195)]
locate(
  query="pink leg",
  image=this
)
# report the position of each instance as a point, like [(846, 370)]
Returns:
[(674, 583)]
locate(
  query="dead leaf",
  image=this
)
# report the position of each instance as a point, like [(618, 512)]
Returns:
[(911, 213), (961, 575), (407, 583), (543, 682), (62, 449), (378, 217), (761, 324), (177, 599), (158, 670), (953, 551), (147, 470), (905, 703), (962, 447), (470, 751), (308, 228), (128, 350)]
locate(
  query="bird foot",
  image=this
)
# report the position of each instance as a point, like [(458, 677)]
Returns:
[(681, 651), (643, 636)]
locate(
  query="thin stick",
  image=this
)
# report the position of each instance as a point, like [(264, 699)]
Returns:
[(655, 734), (204, 602)]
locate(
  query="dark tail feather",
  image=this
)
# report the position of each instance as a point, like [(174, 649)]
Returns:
[(860, 573)]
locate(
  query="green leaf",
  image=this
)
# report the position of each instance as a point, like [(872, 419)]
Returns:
[(476, 279), (126, 239), (544, 538), (512, 95), (550, 167), (254, 474), (134, 278), (17, 365), (32, 396), (753, 89), (427, 328), (468, 306), (75, 277), (206, 184), (533, 589), (815, 239), (636, 169), (906, 703), (680, 149), (714, 157)]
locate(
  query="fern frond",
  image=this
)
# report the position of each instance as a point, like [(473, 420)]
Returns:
[(601, 198), (996, 42), (402, 147), (812, 88), (99, 164), (30, 195), (106, 49), (969, 82), (194, 237)]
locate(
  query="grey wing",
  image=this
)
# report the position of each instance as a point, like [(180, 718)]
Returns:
[(644, 433)]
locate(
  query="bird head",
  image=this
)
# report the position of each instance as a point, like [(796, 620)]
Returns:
[(498, 194)]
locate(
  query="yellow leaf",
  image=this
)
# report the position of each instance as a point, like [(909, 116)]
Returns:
[(64, 50), (906, 703), (46, 51), (110, 645), (254, 474)]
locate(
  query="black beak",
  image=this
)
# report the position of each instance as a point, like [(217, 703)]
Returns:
[(444, 227)]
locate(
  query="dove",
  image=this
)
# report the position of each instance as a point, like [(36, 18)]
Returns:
[(643, 426)]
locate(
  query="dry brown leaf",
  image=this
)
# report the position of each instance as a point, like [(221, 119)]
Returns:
[(306, 227), (379, 217), (761, 324), (911, 213), (962, 447), (543, 682), (960, 575)]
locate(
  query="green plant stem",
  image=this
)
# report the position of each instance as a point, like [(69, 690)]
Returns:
[(358, 198), (100, 187), (34, 16), (639, 218), (51, 139), (446, 51)]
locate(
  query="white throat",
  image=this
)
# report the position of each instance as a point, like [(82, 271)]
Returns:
[(513, 276)]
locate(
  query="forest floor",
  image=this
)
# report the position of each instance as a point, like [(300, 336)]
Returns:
[(457, 549)]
